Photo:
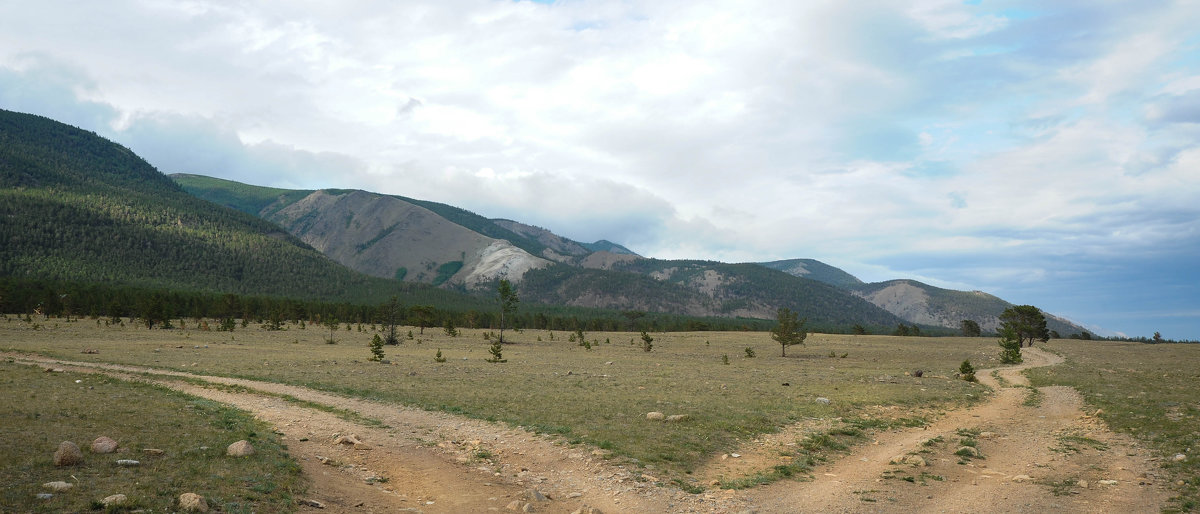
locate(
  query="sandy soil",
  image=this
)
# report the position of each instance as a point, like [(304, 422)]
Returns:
[(436, 462)]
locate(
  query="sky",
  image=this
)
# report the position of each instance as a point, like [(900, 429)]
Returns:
[(1044, 152)]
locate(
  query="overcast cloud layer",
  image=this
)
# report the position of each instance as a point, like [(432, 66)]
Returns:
[(1046, 154)]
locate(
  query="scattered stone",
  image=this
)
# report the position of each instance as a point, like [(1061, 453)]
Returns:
[(192, 502), (152, 451), (516, 505), (587, 510), (350, 439), (1083, 484), (240, 449), (536, 495), (114, 500), (58, 486), (68, 454), (44, 496), (312, 503), (736, 455), (655, 416), (609, 363), (1022, 478), (987, 435), (574, 495), (823, 401), (129, 463), (915, 461), (1108, 482), (1179, 457), (678, 417)]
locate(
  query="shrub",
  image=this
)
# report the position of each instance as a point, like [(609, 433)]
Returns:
[(967, 371)]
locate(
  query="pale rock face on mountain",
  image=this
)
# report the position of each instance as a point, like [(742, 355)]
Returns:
[(388, 237), (501, 260)]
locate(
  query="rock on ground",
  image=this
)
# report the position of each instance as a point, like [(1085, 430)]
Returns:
[(104, 444), (192, 502), (240, 449), (68, 454), (57, 486), (655, 416), (114, 500)]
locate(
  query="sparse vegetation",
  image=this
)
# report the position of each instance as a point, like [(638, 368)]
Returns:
[(683, 371), (966, 371), (52, 407), (789, 330)]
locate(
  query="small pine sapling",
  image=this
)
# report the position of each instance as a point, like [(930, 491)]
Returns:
[(967, 371), (497, 351), (376, 348), (438, 357), (647, 342)]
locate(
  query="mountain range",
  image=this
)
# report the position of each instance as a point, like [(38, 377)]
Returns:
[(412, 240), (77, 207)]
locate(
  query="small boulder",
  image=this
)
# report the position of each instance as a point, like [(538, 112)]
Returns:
[(915, 461), (68, 454), (192, 502), (1108, 482), (966, 451), (240, 449), (104, 444), (128, 463), (58, 486), (44, 496), (1179, 457), (535, 495), (655, 416), (822, 401), (678, 417), (114, 500), (349, 439)]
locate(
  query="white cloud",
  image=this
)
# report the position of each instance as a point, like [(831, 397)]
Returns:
[(826, 129)]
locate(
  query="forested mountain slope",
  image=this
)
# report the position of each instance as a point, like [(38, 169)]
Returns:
[(77, 207)]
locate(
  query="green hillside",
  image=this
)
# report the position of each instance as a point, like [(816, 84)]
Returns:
[(79, 208), (742, 287), (816, 270)]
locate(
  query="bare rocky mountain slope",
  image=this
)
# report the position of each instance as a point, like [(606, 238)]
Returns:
[(420, 241)]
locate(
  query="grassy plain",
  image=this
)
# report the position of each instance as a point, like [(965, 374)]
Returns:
[(1151, 392), (39, 410), (598, 396)]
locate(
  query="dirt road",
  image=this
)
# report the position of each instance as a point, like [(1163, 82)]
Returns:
[(1033, 458)]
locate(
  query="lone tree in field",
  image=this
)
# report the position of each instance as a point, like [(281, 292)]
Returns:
[(789, 330), (1027, 322), (508, 303), (647, 342), (970, 328), (332, 324), (422, 315), (389, 313), (376, 348), (1010, 352)]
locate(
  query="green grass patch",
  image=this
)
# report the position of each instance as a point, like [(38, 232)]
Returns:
[(1033, 397), (41, 410)]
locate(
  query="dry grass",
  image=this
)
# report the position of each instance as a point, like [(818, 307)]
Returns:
[(597, 396), (41, 409), (1148, 391)]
